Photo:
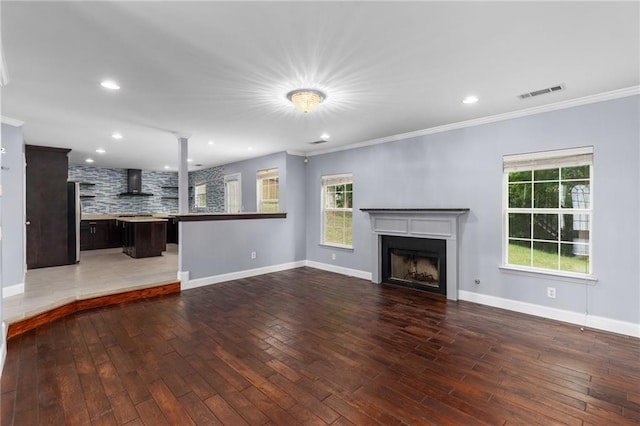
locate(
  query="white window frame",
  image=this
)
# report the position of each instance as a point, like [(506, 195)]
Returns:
[(196, 197), (345, 178), (540, 161), (261, 177), (235, 179)]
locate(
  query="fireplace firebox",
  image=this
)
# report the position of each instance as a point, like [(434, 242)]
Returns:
[(418, 263)]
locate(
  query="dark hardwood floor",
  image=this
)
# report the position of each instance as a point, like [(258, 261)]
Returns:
[(311, 347)]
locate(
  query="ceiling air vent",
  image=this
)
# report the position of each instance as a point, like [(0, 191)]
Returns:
[(542, 91), (318, 142)]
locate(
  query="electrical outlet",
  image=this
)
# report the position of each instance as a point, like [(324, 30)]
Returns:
[(333, 256), (253, 255), (551, 292)]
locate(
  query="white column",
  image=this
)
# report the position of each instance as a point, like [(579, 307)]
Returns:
[(183, 175)]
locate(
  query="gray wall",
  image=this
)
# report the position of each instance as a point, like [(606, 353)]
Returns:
[(248, 170), (212, 248), (463, 168), (13, 261)]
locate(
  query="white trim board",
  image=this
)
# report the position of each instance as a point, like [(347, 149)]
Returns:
[(596, 322), (339, 270), (3, 345), (600, 323), (215, 279), (11, 121), (600, 97), (187, 284), (13, 290)]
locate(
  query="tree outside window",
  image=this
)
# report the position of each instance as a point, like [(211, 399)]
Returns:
[(548, 213), (337, 210)]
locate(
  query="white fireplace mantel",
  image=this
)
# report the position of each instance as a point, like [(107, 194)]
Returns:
[(439, 224)]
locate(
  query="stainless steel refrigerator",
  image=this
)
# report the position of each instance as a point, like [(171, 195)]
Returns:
[(74, 214)]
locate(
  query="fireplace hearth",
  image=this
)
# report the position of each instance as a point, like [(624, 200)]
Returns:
[(418, 263)]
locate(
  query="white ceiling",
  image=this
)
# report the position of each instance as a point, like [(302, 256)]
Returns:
[(220, 71)]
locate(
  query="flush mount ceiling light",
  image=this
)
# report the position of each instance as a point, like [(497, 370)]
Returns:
[(116, 136), (306, 100), (89, 160)]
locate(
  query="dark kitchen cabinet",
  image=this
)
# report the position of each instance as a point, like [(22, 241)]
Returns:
[(172, 230), (46, 206), (99, 234), (144, 239)]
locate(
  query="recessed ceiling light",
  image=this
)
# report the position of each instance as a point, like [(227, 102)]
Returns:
[(110, 84), (470, 100), (167, 167), (250, 149), (210, 142), (89, 160), (116, 136), (100, 151), (189, 160), (325, 136)]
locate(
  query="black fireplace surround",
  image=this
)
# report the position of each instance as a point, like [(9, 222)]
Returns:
[(422, 248)]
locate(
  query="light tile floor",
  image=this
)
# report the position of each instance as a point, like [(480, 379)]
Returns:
[(99, 273)]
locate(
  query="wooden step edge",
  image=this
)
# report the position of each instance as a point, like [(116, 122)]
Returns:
[(24, 325)]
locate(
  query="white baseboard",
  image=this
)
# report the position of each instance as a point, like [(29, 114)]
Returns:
[(183, 277), (339, 270), (592, 321), (3, 345), (13, 290), (200, 282)]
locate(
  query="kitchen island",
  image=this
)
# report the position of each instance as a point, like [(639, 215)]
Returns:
[(143, 236)]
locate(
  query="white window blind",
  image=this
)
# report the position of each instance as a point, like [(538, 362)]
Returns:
[(267, 174), (336, 180), (548, 159)]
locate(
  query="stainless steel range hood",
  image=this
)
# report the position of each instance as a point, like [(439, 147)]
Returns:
[(134, 184)]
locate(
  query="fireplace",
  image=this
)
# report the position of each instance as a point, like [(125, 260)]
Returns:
[(426, 224), (418, 263)]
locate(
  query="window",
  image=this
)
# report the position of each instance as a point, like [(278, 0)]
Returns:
[(232, 194), (268, 191), (337, 210), (548, 210), (201, 196)]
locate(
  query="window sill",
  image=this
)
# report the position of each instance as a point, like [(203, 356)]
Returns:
[(336, 246), (558, 275)]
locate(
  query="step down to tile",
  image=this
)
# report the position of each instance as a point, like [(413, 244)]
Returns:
[(27, 324)]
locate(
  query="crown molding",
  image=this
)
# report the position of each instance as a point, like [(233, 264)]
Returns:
[(600, 97), (12, 121)]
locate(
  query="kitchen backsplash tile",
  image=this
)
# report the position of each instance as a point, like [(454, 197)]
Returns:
[(214, 178), (109, 182)]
